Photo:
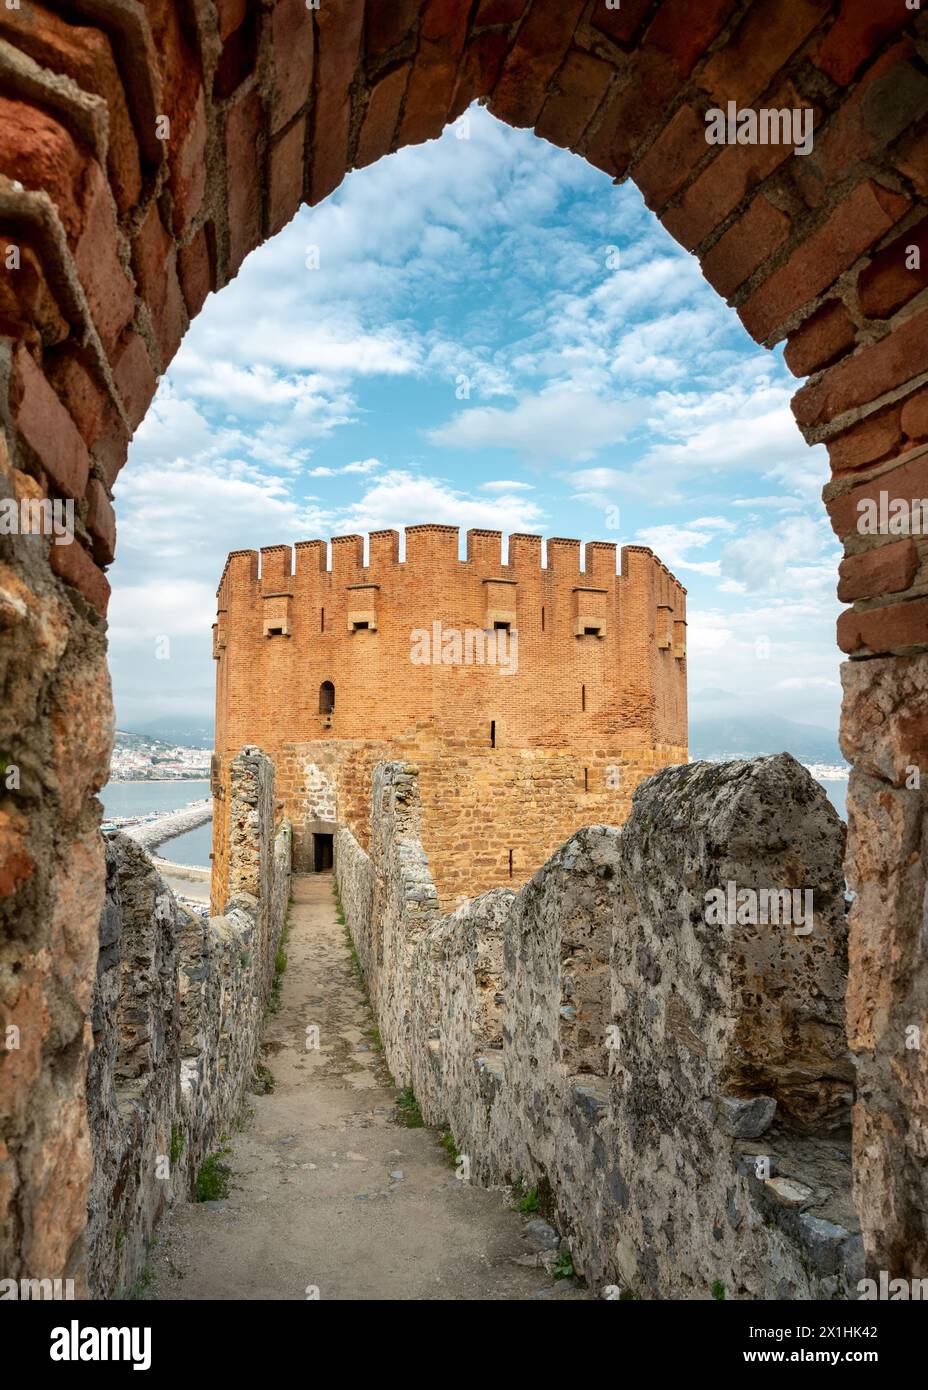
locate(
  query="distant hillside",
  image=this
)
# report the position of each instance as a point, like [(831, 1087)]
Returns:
[(183, 733), (748, 736)]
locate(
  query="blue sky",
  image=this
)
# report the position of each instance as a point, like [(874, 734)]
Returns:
[(481, 331)]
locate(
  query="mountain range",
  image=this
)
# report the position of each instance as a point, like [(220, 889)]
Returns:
[(747, 736)]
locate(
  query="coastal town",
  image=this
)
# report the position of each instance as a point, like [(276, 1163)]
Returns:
[(138, 758)]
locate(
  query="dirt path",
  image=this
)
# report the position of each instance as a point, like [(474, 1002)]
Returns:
[(327, 1189)]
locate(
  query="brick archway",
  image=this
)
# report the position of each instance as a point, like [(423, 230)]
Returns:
[(148, 149)]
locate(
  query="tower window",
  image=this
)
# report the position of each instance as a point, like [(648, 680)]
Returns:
[(583, 697), (542, 619), (510, 863), (326, 698), (501, 627), (586, 779), (492, 733), (322, 620)]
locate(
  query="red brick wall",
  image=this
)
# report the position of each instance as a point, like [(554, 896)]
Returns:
[(575, 724)]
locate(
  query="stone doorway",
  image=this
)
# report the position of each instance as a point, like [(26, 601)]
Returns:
[(323, 853)]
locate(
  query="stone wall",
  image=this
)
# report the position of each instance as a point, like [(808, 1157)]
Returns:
[(490, 816), (177, 1015), (885, 734), (599, 1035)]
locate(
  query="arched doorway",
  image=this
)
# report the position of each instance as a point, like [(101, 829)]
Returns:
[(132, 192)]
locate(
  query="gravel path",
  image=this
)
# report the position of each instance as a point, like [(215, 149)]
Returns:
[(328, 1191)]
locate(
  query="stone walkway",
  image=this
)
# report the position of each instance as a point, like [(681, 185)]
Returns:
[(328, 1190)]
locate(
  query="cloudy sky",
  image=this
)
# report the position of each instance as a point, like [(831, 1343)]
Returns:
[(481, 331)]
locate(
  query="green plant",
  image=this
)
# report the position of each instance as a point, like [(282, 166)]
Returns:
[(718, 1290), (213, 1178), (376, 1039), (177, 1144), (408, 1106), (245, 1112), (446, 1139), (563, 1267), (629, 1296), (529, 1199), (120, 1240), (262, 1082), (145, 1279), (280, 965), (354, 958)]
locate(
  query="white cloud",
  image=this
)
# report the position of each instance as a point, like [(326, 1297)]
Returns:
[(400, 498), (674, 543), (181, 520), (596, 479), (778, 503), (141, 613), (807, 683), (792, 555), (706, 633), (558, 425), (363, 466)]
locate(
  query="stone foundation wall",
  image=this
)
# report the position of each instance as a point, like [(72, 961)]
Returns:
[(490, 816), (885, 733), (177, 1014), (678, 1091)]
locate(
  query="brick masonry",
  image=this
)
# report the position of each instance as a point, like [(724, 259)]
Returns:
[(149, 148), (585, 696)]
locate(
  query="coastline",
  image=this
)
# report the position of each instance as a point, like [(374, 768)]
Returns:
[(189, 884), (168, 825), (136, 781)]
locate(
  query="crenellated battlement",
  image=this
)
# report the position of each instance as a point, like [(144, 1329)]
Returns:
[(552, 679), (436, 546), (542, 593)]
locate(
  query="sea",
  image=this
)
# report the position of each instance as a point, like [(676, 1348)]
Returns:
[(837, 795), (194, 846), (137, 798)]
